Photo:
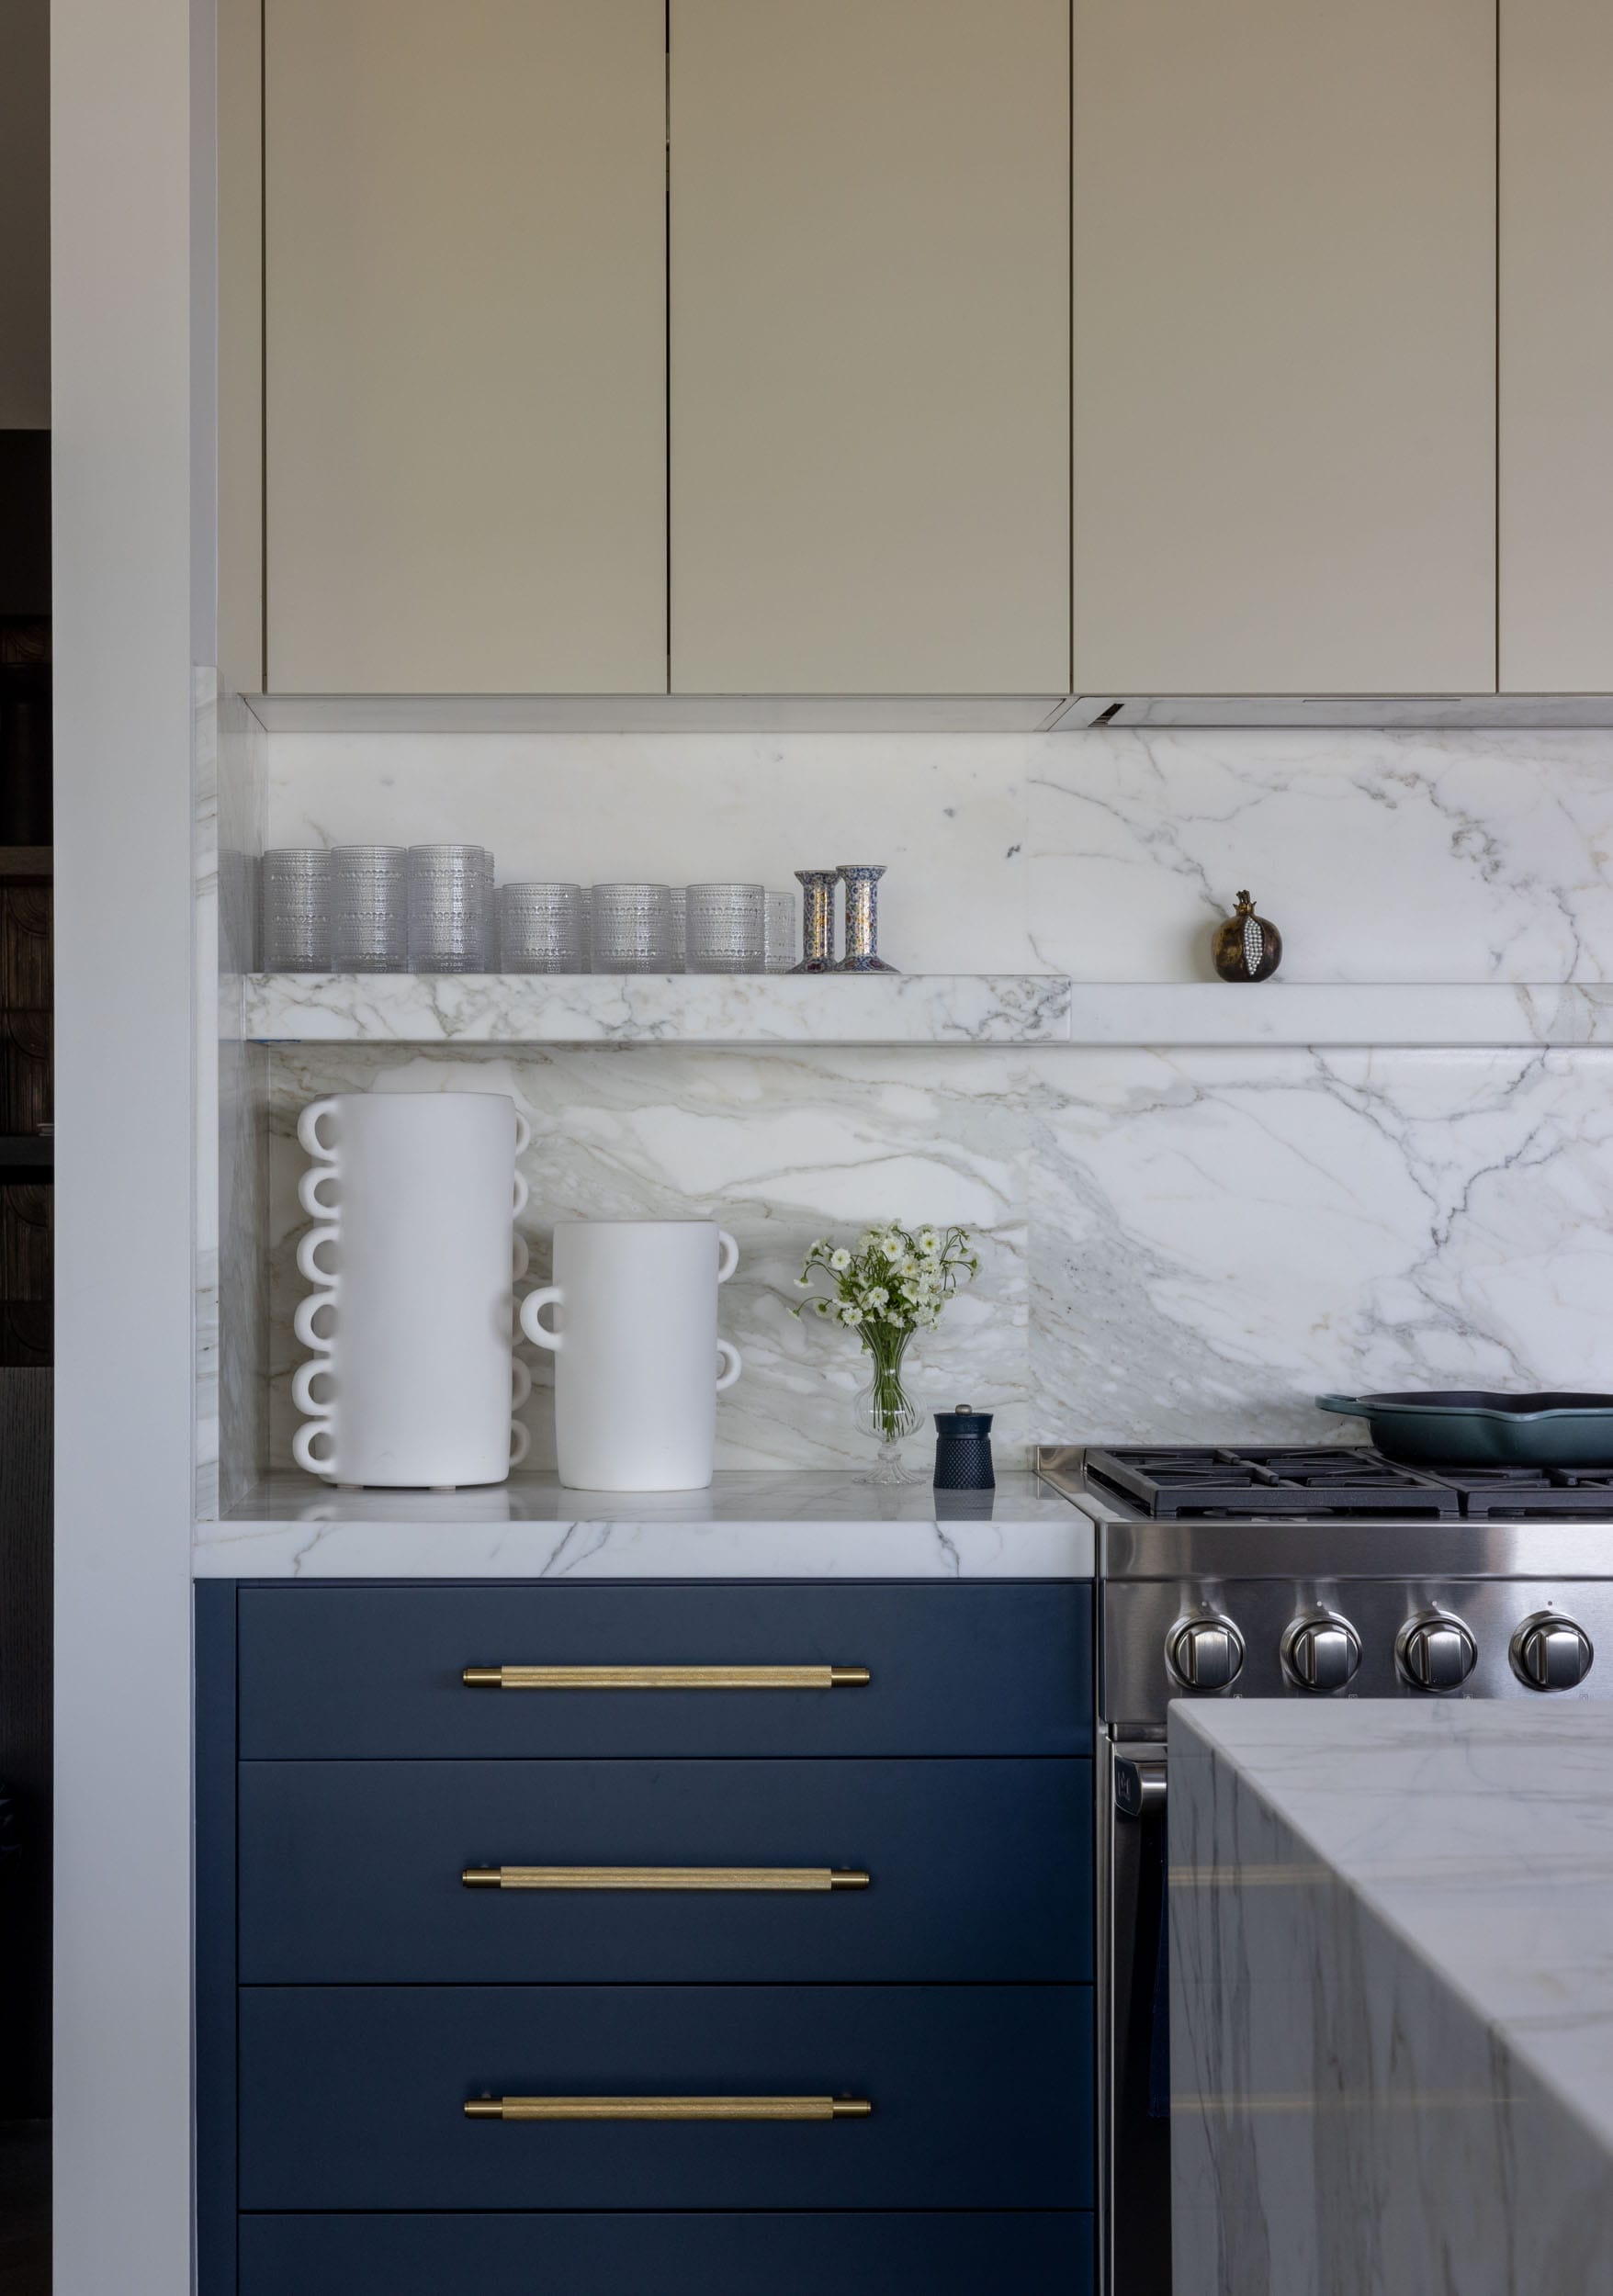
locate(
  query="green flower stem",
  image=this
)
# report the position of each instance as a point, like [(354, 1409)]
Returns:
[(890, 1402)]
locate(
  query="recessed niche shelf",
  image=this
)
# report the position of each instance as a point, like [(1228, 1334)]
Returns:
[(895, 1009)]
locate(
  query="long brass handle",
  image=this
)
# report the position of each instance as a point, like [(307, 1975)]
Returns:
[(662, 1877), (665, 1677), (668, 2109)]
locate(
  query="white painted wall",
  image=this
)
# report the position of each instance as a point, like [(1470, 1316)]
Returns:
[(25, 215), (122, 322)]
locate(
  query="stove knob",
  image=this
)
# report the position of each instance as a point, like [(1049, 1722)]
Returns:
[(1321, 1652), (1550, 1652), (1205, 1653), (1435, 1651)]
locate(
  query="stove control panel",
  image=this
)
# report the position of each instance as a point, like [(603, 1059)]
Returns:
[(1348, 1638), (1550, 1652), (1321, 1651), (1205, 1653), (1435, 1651)]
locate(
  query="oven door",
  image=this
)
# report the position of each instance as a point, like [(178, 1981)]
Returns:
[(1134, 2036)]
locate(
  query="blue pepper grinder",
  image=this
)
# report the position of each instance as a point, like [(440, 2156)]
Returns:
[(963, 1450)]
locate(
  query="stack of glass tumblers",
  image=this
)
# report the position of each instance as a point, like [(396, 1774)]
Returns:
[(433, 909)]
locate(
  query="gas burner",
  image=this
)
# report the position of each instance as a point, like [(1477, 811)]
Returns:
[(1315, 1484)]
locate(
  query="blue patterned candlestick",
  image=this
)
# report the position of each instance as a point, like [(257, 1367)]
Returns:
[(817, 919), (862, 883)]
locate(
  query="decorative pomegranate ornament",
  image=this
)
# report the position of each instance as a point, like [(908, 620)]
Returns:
[(1246, 947)]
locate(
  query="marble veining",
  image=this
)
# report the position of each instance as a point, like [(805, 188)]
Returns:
[(801, 1144), (1191, 1245), (1426, 856), (1217, 1236), (1392, 1999), (205, 1315), (684, 1008), (1334, 1015), (1463, 856), (1186, 1236), (241, 1132), (747, 1525)]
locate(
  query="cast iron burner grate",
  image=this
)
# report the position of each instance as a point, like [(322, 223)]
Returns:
[(1317, 1484), (1525, 1492)]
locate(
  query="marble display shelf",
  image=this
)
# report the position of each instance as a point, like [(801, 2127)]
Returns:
[(913, 1008), (750, 1524), (651, 1007), (1502, 1014), (1392, 1995)]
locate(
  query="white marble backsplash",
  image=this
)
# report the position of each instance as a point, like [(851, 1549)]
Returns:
[(1185, 1247), (241, 1179), (1106, 855), (1181, 1244)]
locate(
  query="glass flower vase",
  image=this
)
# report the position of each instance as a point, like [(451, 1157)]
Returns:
[(885, 1409)]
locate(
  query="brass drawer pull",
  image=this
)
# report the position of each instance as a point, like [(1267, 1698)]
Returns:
[(665, 1677), (668, 2109), (661, 1877)]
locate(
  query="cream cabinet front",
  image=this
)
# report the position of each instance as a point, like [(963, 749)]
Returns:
[(1556, 365), (869, 359), (465, 419), (1284, 335)]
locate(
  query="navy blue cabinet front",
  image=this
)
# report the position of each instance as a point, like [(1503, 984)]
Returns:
[(652, 2253), (417, 1894), (351, 1873)]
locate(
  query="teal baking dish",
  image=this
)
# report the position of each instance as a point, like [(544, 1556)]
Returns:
[(1466, 1428)]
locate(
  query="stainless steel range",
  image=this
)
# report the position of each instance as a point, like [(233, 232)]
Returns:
[(1251, 1572)]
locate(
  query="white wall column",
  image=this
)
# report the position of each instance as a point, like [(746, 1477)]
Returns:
[(122, 194)]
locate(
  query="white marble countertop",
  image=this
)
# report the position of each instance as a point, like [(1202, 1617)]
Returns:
[(748, 1524), (1395, 1918)]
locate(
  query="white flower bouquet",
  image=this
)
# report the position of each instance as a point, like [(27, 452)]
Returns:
[(894, 1282)]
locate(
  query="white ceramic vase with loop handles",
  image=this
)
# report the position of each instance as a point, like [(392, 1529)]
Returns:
[(410, 1382), (639, 1365)]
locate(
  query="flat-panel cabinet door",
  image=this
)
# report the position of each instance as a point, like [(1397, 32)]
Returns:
[(1556, 457), (466, 420), (869, 204), (1284, 346)]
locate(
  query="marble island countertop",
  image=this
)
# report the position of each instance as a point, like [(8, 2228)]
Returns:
[(1392, 1998), (750, 1524)]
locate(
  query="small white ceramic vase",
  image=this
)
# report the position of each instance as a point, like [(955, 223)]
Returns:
[(639, 1365), (412, 1383)]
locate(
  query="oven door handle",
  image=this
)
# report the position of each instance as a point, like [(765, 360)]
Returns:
[(1139, 1785)]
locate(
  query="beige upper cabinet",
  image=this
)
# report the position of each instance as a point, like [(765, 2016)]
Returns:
[(1284, 335), (465, 327), (1556, 454), (869, 364)]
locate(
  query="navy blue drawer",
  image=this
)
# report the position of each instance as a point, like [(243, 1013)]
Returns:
[(352, 2098), (362, 1672), (691, 2255), (980, 1870)]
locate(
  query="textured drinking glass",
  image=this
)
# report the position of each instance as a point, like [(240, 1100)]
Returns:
[(817, 919), (779, 933), (726, 928), (680, 929), (585, 905), (369, 908), (540, 929), (297, 909), (450, 908), (632, 929)]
